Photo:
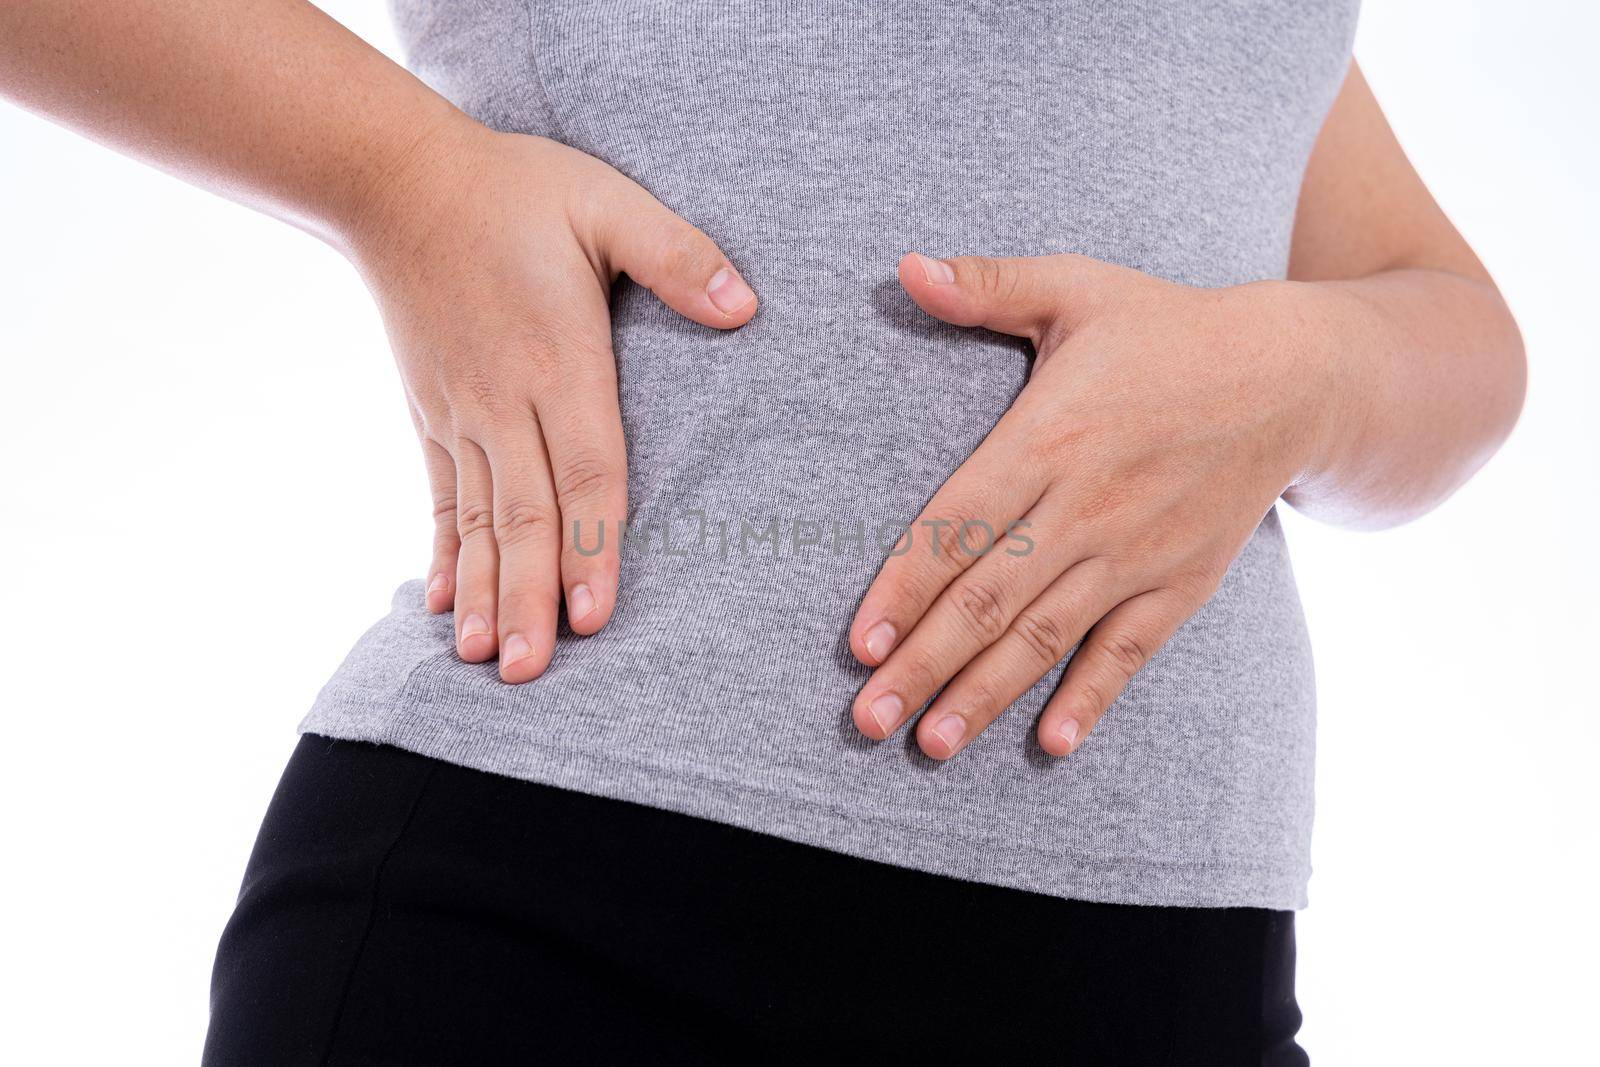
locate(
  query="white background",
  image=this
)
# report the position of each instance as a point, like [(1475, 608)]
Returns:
[(210, 489)]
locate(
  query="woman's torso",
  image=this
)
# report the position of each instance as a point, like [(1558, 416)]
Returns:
[(816, 142)]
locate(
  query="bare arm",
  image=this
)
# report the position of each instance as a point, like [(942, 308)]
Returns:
[(1429, 367), (491, 257), (269, 102), (1162, 422)]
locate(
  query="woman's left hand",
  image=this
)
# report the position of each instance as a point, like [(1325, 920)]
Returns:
[(1159, 426)]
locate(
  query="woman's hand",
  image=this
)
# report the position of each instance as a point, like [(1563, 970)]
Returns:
[(1160, 424), (492, 258)]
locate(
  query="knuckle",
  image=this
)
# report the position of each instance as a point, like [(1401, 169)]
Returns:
[(1053, 440), (542, 358), (522, 521), (982, 608), (948, 543), (474, 520), (990, 278), (1104, 504), (1071, 268), (1097, 695), (1043, 635), (1193, 588), (680, 250), (1204, 585), (550, 339), (1125, 652), (984, 697), (521, 596), (586, 477), (919, 677), (674, 256), (473, 385), (479, 424), (432, 423)]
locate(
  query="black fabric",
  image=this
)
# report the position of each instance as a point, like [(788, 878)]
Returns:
[(401, 910)]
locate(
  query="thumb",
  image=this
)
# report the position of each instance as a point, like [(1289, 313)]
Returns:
[(638, 236), (1023, 296)]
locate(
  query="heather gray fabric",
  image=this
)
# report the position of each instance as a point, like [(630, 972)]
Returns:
[(816, 141)]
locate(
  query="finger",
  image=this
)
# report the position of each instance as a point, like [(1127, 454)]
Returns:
[(582, 426), (971, 614), (527, 536), (446, 541), (638, 236), (477, 567), (1115, 650), (1023, 296), (972, 514), (1038, 639)]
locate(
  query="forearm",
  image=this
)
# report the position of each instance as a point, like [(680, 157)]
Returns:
[(1415, 363), (269, 102), (1424, 376)]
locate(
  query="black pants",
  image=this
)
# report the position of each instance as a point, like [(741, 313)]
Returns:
[(400, 910)]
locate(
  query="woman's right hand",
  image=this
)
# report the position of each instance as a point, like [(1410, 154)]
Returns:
[(492, 258)]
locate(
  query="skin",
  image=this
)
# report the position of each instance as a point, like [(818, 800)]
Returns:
[(1161, 422), (491, 256)]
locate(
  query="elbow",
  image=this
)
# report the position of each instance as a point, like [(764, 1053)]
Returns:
[(1515, 374), (1504, 390), (1489, 417), (1437, 456)]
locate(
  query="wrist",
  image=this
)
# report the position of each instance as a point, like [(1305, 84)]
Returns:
[(419, 169), (1324, 375)]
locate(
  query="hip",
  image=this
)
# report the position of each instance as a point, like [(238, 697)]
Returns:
[(402, 909)]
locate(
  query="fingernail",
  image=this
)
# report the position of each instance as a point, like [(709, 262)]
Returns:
[(728, 291), (937, 271), (885, 711), (952, 730), (514, 648), (439, 584), (580, 602), (475, 625), (1069, 732), (879, 640)]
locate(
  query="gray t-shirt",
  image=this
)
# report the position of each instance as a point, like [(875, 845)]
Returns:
[(816, 141)]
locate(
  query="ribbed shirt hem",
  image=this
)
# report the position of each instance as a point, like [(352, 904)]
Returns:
[(833, 823)]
